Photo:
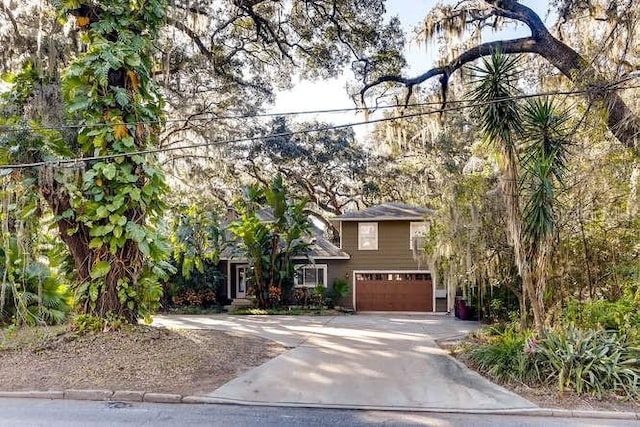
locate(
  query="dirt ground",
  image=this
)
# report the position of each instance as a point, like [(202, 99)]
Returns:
[(139, 358), (548, 396)]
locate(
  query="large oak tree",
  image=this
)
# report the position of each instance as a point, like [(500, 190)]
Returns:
[(582, 71)]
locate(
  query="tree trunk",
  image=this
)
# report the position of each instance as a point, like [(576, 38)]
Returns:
[(78, 242), (621, 121), (76, 237)]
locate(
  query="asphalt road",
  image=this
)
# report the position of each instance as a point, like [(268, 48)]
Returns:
[(32, 412)]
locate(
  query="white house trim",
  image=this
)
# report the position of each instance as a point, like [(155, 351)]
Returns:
[(325, 273), (228, 279)]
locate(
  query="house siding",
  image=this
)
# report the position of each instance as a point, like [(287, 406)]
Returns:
[(335, 268), (393, 254)]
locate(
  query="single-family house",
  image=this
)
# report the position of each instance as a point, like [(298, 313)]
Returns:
[(376, 255), (385, 269)]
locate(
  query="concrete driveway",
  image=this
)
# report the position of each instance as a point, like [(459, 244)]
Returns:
[(365, 360)]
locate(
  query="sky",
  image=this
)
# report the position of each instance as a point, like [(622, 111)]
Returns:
[(332, 94)]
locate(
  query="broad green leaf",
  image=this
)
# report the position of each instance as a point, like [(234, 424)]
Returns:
[(96, 242), (135, 194), (100, 269), (102, 212), (144, 248), (137, 232), (109, 171), (133, 60), (93, 292), (79, 104)]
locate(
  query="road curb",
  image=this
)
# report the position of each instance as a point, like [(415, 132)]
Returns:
[(533, 412), (162, 398), (128, 396), (77, 394), (171, 398), (51, 395)]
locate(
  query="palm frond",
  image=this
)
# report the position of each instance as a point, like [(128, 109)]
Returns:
[(495, 85)]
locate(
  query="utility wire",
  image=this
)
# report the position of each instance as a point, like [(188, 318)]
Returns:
[(203, 117), (74, 161)]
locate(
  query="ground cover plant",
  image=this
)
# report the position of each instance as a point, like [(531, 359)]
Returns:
[(598, 355)]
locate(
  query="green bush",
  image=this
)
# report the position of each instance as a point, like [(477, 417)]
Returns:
[(199, 289), (88, 323), (340, 290), (504, 357), (592, 361), (308, 298), (622, 315), (35, 296)]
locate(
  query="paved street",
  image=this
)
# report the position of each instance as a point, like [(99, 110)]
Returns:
[(67, 413), (360, 361)]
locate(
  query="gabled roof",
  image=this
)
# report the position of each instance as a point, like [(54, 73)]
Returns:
[(324, 249), (320, 249), (386, 212)]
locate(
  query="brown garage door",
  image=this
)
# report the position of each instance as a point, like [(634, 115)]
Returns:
[(394, 292)]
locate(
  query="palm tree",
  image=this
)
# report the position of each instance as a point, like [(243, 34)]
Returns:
[(544, 161), (501, 122), (532, 140)]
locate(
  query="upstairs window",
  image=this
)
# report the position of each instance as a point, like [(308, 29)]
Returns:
[(418, 234), (368, 236)]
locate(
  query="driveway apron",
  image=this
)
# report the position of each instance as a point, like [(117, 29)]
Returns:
[(363, 360)]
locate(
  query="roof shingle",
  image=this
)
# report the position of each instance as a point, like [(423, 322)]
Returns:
[(388, 212)]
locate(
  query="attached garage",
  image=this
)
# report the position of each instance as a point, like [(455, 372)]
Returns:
[(393, 291)]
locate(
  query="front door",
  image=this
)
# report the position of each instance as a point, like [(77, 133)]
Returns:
[(242, 272)]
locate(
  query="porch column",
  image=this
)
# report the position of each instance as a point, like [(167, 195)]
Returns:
[(228, 279)]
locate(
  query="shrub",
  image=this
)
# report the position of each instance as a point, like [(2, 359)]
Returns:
[(340, 290), (308, 297), (87, 323), (36, 296), (275, 297), (200, 289), (593, 361), (621, 315), (507, 356)]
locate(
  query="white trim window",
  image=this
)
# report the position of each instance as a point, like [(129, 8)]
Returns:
[(367, 236), (418, 232), (310, 276)]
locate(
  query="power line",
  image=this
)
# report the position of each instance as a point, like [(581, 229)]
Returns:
[(203, 117), (74, 161)]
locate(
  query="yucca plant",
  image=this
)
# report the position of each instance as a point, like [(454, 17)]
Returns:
[(532, 140), (592, 361)]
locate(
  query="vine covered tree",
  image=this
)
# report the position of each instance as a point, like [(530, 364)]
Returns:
[(104, 202), (89, 84)]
